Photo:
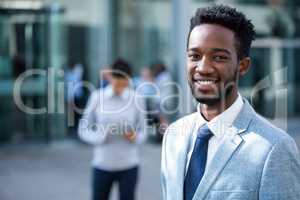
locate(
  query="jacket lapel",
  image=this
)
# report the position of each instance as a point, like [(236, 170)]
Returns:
[(227, 148), (181, 172), (182, 143)]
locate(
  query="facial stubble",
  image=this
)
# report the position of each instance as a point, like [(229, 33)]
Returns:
[(224, 91)]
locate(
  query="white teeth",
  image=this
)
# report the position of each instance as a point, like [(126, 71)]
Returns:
[(206, 82)]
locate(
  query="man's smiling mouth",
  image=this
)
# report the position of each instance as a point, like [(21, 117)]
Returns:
[(206, 82)]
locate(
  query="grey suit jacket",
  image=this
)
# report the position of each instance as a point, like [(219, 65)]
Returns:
[(256, 160)]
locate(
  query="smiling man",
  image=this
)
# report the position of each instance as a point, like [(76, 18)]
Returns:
[(225, 150)]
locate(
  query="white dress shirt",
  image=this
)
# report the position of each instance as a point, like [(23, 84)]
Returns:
[(217, 126), (106, 118)]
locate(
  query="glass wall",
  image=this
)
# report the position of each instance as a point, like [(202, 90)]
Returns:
[(31, 45)]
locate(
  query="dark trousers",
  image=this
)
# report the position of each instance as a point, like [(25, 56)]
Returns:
[(103, 181)]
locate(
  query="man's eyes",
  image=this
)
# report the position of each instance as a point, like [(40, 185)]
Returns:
[(194, 56), (216, 58), (220, 58)]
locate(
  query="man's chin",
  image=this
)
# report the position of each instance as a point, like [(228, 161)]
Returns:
[(208, 100)]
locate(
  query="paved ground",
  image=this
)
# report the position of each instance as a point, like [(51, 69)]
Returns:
[(61, 170)]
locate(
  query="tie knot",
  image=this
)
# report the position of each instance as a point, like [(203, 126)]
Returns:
[(204, 133)]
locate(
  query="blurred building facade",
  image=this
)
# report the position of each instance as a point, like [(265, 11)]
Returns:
[(47, 35)]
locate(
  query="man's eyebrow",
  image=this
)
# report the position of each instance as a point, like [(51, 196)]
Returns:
[(213, 49), (221, 50), (192, 49)]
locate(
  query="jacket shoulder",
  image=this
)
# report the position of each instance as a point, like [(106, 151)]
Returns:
[(269, 132)]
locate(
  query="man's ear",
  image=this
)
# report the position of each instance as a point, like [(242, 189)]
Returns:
[(244, 66)]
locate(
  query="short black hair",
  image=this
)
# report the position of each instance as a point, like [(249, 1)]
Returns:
[(121, 69), (230, 18)]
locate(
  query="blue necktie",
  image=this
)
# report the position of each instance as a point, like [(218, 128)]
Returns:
[(197, 163)]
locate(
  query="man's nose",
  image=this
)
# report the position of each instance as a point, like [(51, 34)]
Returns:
[(204, 66)]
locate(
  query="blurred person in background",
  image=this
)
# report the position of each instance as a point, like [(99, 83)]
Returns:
[(113, 122), (146, 87), (161, 77), (74, 94), (104, 76), (164, 82), (144, 83)]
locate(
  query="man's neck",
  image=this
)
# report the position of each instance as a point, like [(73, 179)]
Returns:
[(119, 90), (211, 111)]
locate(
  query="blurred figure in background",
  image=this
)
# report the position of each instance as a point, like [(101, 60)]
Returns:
[(163, 81), (113, 122), (104, 76), (145, 82), (74, 94), (148, 89)]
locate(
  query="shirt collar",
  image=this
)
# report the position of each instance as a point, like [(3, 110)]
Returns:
[(109, 93), (223, 121)]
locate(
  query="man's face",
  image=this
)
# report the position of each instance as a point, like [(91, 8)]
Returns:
[(212, 64), (119, 84)]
